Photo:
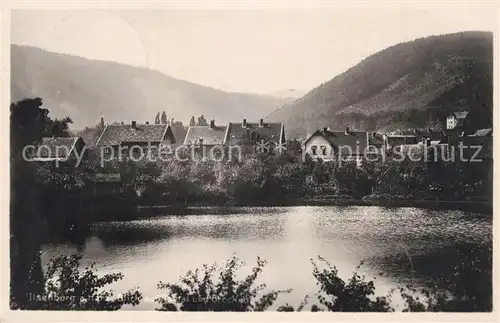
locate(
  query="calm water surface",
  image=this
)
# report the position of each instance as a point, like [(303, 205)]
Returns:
[(402, 244)]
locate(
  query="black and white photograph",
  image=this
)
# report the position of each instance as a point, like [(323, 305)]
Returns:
[(300, 157)]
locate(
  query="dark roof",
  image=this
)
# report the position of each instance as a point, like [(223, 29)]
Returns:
[(354, 139), (268, 132), (210, 136), (179, 132), (419, 134), (483, 132), (115, 134), (461, 114), (56, 147)]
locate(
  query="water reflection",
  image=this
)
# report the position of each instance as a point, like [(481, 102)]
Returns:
[(405, 244)]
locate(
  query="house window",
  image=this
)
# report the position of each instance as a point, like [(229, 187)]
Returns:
[(314, 150), (108, 150), (323, 150), (253, 136)]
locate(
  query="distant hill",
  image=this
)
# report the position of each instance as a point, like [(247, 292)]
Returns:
[(412, 84), (288, 94), (85, 89)]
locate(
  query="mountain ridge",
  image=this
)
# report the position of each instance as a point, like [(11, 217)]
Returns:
[(86, 89), (413, 84)]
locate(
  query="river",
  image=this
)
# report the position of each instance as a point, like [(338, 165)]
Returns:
[(396, 245)]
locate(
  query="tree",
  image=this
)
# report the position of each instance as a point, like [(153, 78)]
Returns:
[(202, 121), (28, 123), (351, 180), (157, 118), (164, 119), (192, 122), (58, 127)]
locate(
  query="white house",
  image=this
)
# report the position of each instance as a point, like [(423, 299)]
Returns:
[(330, 145)]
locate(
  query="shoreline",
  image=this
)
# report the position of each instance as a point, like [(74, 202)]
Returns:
[(482, 207)]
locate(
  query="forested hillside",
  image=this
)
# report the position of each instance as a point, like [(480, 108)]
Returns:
[(412, 84)]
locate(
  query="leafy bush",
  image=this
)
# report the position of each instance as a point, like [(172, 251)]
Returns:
[(351, 296), (66, 288), (204, 293)]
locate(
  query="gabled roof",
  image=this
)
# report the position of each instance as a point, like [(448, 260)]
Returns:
[(354, 139), (115, 134), (179, 132), (210, 136), (52, 148), (268, 132), (461, 114)]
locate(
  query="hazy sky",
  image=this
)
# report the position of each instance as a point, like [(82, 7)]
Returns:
[(258, 51)]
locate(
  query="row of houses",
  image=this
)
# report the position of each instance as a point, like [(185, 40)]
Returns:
[(458, 137), (324, 144), (120, 138), (327, 145)]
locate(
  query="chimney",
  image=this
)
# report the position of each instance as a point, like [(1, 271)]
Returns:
[(325, 129), (200, 141), (102, 122), (261, 123), (147, 122), (346, 131), (244, 124), (134, 125), (122, 122), (212, 124)]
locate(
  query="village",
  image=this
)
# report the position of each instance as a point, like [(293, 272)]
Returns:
[(135, 140), (165, 142)]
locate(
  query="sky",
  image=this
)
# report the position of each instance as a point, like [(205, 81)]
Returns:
[(257, 51)]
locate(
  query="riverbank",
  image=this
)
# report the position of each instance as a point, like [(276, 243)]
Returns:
[(483, 207)]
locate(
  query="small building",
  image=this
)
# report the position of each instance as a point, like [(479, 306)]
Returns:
[(249, 137), (134, 139), (261, 137), (58, 149), (331, 145), (413, 137), (456, 120)]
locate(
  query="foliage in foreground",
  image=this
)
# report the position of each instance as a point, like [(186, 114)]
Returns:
[(351, 296), (217, 289), (68, 288)]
